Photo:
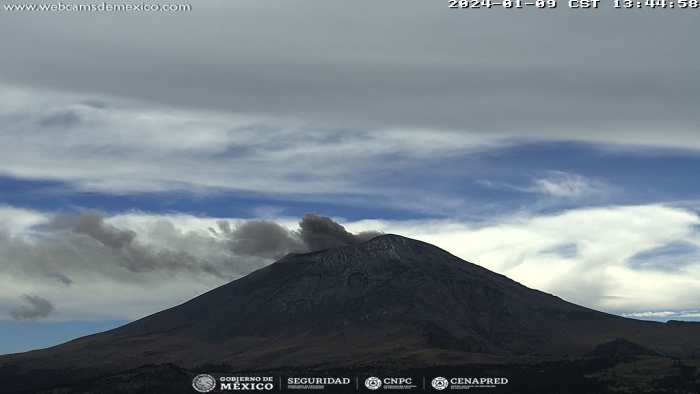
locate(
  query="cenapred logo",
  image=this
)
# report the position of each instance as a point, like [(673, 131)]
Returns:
[(440, 383), (204, 383), (373, 383)]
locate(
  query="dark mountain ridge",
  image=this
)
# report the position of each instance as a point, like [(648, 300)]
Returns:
[(390, 300)]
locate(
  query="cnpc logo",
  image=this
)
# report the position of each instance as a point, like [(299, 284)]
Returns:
[(373, 383)]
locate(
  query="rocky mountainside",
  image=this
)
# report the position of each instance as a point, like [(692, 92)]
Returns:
[(390, 300)]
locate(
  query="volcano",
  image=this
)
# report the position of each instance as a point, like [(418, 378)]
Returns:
[(389, 301)]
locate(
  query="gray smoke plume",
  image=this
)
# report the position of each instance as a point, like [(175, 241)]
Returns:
[(268, 239), (38, 308), (321, 232)]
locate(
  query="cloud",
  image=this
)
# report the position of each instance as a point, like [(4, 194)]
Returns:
[(19, 220), (651, 314), (539, 75), (563, 185), (38, 308), (664, 314), (125, 148), (557, 184), (291, 119)]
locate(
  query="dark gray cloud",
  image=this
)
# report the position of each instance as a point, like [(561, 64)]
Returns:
[(38, 308)]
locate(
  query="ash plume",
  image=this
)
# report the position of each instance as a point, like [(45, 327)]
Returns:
[(268, 239), (321, 232)]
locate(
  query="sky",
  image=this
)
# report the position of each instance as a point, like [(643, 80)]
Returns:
[(148, 157)]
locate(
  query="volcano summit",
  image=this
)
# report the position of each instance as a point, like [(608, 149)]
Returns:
[(390, 302)]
